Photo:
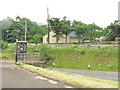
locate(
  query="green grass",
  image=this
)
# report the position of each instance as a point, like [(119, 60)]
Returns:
[(8, 53), (7, 56), (79, 58), (74, 57), (77, 80)]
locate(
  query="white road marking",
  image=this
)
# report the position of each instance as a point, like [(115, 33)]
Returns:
[(34, 74), (18, 68), (39, 77), (68, 87), (3, 66), (12, 68), (6, 66), (30, 72), (53, 82), (21, 69)]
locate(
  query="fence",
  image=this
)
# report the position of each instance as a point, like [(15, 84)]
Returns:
[(29, 58)]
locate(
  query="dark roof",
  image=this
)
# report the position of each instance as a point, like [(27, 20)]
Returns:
[(72, 35)]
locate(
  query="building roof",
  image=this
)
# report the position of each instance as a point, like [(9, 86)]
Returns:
[(72, 35)]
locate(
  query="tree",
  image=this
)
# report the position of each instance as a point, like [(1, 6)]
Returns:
[(93, 31), (79, 28), (36, 38), (6, 27), (114, 30), (56, 26), (3, 44), (9, 29), (66, 28)]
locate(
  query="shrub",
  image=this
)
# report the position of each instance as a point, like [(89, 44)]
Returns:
[(4, 44), (45, 51)]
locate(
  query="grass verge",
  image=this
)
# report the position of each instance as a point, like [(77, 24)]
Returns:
[(73, 57), (103, 59), (7, 56), (77, 80)]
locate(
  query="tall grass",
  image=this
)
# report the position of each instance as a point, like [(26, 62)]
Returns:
[(80, 58), (72, 57), (9, 52)]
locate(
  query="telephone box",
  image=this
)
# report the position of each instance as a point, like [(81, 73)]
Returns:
[(21, 50)]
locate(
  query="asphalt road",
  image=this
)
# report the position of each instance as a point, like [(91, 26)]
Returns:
[(14, 77), (92, 73)]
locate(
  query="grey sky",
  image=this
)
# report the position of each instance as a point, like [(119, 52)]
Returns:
[(101, 12)]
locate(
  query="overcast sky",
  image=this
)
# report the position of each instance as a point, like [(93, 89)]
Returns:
[(100, 12)]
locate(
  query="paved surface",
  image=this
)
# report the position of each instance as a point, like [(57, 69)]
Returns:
[(0, 75), (98, 74), (14, 77)]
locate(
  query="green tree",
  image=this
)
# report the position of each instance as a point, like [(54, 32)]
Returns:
[(93, 31), (66, 27), (56, 26), (80, 29), (10, 28), (114, 30), (6, 27), (36, 38), (3, 44)]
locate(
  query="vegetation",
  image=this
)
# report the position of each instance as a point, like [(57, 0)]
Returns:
[(114, 30), (3, 44), (37, 38), (9, 52), (64, 26), (60, 27), (74, 57), (11, 30), (71, 57), (79, 58), (77, 80), (56, 27)]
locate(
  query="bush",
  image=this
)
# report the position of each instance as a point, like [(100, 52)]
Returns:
[(45, 51), (4, 44)]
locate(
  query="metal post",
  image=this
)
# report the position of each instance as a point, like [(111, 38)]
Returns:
[(17, 21), (1, 30), (1, 27), (16, 57), (48, 25), (25, 29)]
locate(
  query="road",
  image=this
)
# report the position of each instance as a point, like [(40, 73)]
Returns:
[(14, 77), (92, 73)]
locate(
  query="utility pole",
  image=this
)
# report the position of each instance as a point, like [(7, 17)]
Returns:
[(1, 29), (48, 26), (25, 29)]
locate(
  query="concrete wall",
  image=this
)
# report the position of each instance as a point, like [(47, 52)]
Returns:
[(73, 40)]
